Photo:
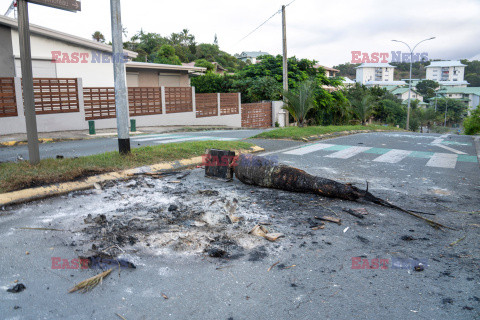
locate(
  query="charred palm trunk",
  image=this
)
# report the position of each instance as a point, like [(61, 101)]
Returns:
[(267, 173), (263, 172)]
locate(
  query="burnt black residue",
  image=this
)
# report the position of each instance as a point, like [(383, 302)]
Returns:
[(17, 288), (258, 254), (363, 240), (407, 238)]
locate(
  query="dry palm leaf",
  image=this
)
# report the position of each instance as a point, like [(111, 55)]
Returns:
[(90, 283)]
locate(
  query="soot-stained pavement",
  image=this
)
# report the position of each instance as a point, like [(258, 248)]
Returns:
[(179, 233)]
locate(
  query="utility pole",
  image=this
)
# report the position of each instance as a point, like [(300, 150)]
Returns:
[(27, 81), (285, 61), (121, 96)]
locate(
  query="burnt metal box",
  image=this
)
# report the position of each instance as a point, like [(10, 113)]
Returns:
[(219, 164)]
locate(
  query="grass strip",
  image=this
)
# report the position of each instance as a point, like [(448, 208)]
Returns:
[(297, 133), (21, 175)]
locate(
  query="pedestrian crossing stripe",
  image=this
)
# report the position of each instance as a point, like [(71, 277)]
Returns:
[(456, 143), (393, 156), (342, 152), (347, 153), (467, 158), (443, 160)]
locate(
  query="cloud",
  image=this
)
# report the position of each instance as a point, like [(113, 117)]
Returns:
[(326, 31)]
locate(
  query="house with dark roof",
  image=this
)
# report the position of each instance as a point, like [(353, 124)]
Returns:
[(329, 72)]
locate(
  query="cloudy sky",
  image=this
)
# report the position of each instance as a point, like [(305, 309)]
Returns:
[(326, 31)]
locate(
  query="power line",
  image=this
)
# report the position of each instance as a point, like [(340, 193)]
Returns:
[(260, 26), (290, 3), (279, 11)]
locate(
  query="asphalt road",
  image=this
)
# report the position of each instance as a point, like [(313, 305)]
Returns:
[(78, 148), (320, 274)]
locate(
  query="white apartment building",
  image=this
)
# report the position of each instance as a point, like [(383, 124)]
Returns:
[(376, 74), (447, 73)]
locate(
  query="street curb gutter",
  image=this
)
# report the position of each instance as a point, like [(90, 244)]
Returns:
[(19, 143), (27, 195)]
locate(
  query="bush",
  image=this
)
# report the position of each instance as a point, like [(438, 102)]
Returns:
[(472, 123)]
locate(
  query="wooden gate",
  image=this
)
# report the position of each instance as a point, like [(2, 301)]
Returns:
[(8, 101), (257, 115)]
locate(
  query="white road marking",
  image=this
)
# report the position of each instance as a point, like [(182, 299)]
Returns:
[(393, 156), (309, 149), (443, 160), (195, 138), (449, 148), (156, 138), (348, 153)]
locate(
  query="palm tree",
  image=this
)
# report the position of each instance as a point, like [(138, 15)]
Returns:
[(98, 36), (300, 101), (363, 107)]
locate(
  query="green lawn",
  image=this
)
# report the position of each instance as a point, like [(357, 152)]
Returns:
[(297, 133), (21, 175)]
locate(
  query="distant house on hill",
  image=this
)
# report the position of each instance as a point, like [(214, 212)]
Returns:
[(402, 94), (329, 72), (252, 56), (347, 82), (218, 68)]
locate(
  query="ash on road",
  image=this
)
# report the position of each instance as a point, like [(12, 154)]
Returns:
[(172, 231)]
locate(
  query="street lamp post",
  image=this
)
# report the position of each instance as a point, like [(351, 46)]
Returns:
[(410, 79)]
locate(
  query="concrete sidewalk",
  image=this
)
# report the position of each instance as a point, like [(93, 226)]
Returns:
[(9, 140)]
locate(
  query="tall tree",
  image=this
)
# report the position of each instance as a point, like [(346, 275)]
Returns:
[(98, 36), (427, 89)]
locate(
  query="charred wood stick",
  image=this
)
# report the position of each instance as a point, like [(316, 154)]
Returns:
[(353, 213), (387, 204), (260, 171), (330, 219), (421, 212)]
